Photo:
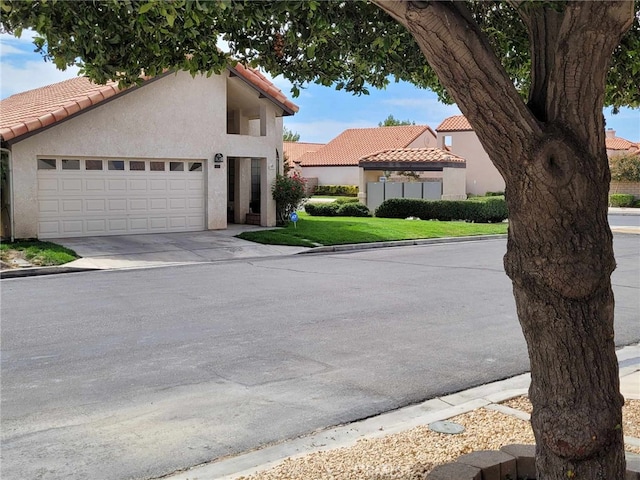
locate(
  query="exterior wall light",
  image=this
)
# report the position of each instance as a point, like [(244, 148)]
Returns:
[(218, 158)]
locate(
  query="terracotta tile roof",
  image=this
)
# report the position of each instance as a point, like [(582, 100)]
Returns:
[(351, 145), (262, 83), (413, 155), (32, 110), (457, 123), (619, 143), (294, 150), (35, 109)]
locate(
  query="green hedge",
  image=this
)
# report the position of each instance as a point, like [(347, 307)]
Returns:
[(621, 200), (335, 190), (491, 211), (321, 209), (351, 209), (335, 209)]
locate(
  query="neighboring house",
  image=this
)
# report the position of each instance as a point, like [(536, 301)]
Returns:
[(618, 145), (482, 177), (175, 154), (337, 162), (294, 150)]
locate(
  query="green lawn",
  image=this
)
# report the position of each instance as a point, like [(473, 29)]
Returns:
[(37, 253), (315, 231)]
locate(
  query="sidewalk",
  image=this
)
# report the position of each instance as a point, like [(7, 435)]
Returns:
[(345, 436)]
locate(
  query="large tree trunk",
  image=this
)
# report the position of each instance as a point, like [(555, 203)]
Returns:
[(552, 155)]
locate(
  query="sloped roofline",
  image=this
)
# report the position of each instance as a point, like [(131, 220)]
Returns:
[(30, 125)]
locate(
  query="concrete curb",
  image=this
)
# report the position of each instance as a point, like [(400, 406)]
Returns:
[(350, 247), (38, 271)]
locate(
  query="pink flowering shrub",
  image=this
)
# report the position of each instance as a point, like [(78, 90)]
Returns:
[(288, 192)]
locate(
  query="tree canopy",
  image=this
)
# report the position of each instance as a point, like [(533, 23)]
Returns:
[(351, 45), (392, 121), (289, 135)]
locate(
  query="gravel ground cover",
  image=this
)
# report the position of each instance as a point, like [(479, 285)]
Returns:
[(410, 455)]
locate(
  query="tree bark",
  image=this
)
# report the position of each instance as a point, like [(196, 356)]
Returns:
[(552, 155)]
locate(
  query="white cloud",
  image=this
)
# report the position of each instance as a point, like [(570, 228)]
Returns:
[(29, 75), (10, 50)]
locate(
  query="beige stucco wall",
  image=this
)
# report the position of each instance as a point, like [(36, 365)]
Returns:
[(176, 116), (425, 140), (332, 175), (482, 176), (453, 184)]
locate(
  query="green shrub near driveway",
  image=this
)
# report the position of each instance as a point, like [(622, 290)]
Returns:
[(352, 209), (621, 200), (335, 209), (490, 211), (322, 209)]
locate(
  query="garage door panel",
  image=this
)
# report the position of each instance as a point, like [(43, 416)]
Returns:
[(95, 205), (138, 205), (138, 185), (117, 225), (177, 185), (96, 227), (117, 205), (48, 206), (159, 224), (195, 222), (177, 203), (157, 184), (139, 224), (177, 222), (115, 202), (47, 184), (71, 205), (157, 204), (47, 229), (72, 227), (95, 185), (71, 185)]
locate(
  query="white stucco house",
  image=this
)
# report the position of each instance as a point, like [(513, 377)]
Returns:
[(337, 162), (177, 153), (481, 176)]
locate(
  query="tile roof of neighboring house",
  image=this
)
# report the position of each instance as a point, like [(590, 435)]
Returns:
[(457, 123), (619, 143), (351, 145), (417, 155), (32, 110), (294, 150)]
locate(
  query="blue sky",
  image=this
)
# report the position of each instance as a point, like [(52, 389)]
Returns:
[(324, 112)]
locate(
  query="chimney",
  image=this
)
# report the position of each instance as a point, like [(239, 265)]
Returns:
[(611, 133)]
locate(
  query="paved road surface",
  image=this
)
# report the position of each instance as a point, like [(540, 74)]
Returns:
[(135, 374)]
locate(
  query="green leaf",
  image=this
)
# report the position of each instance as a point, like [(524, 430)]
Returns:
[(146, 7)]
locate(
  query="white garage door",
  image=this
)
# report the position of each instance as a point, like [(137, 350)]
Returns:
[(84, 197)]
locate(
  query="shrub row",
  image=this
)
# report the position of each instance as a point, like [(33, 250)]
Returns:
[(491, 211), (334, 190), (621, 200), (335, 209)]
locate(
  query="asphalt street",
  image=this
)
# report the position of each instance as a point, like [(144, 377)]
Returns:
[(139, 373)]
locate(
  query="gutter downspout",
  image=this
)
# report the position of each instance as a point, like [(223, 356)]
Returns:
[(11, 215)]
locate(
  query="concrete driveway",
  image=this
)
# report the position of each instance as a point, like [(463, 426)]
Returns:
[(158, 249)]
